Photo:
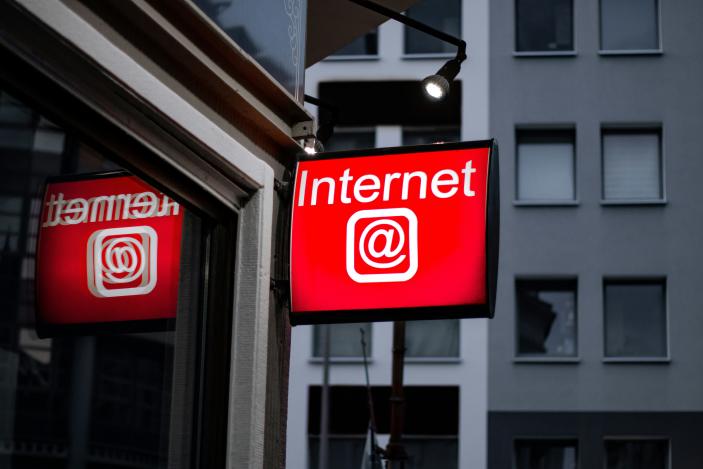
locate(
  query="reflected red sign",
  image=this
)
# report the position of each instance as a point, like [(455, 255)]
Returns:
[(402, 233), (108, 255)]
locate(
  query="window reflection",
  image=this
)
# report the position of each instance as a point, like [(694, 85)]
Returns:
[(83, 401), (546, 317)]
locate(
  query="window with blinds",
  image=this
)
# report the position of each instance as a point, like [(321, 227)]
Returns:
[(545, 165), (632, 166)]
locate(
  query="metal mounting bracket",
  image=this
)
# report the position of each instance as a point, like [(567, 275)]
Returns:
[(303, 129)]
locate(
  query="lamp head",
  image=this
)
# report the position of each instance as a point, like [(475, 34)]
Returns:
[(312, 146), (437, 86)]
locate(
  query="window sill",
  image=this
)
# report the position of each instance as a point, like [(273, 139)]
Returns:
[(340, 360), (433, 360), (635, 360), (546, 53), (631, 52), (546, 203), (428, 56), (547, 360), (352, 58), (607, 202)]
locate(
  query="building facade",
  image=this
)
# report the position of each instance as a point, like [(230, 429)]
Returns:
[(374, 82), (593, 352)]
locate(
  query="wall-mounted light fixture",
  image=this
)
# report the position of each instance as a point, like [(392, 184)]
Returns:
[(325, 127), (435, 86), (312, 146)]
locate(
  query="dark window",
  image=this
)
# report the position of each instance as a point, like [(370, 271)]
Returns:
[(388, 102), (545, 166), (546, 454), (351, 139), (544, 25), (444, 15), (632, 165), (362, 45), (345, 452), (345, 340), (430, 434), (629, 25), (428, 135), (642, 454), (546, 318), (635, 318)]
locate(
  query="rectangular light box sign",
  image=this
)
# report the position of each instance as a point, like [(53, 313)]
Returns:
[(395, 234), (108, 256)]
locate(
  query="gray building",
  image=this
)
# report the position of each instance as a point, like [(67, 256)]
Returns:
[(594, 352)]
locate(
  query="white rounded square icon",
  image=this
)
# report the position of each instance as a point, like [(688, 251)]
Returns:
[(396, 243), (122, 261)]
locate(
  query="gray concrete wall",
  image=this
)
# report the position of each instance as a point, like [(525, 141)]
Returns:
[(591, 240)]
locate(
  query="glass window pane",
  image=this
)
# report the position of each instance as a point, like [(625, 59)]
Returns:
[(426, 136), (431, 453), (631, 166), (545, 165), (436, 338), (546, 454), (270, 32), (351, 139), (629, 24), (95, 400), (444, 15), (345, 340), (642, 454), (344, 452), (546, 318), (544, 25), (635, 319), (362, 45), (13, 112)]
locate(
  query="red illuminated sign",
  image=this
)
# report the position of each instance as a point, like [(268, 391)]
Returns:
[(108, 255), (393, 234)]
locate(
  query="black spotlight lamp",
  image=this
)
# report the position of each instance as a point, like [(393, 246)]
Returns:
[(436, 86), (313, 146)]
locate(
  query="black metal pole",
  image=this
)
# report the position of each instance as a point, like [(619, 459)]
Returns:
[(395, 452), (323, 454), (372, 414)]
